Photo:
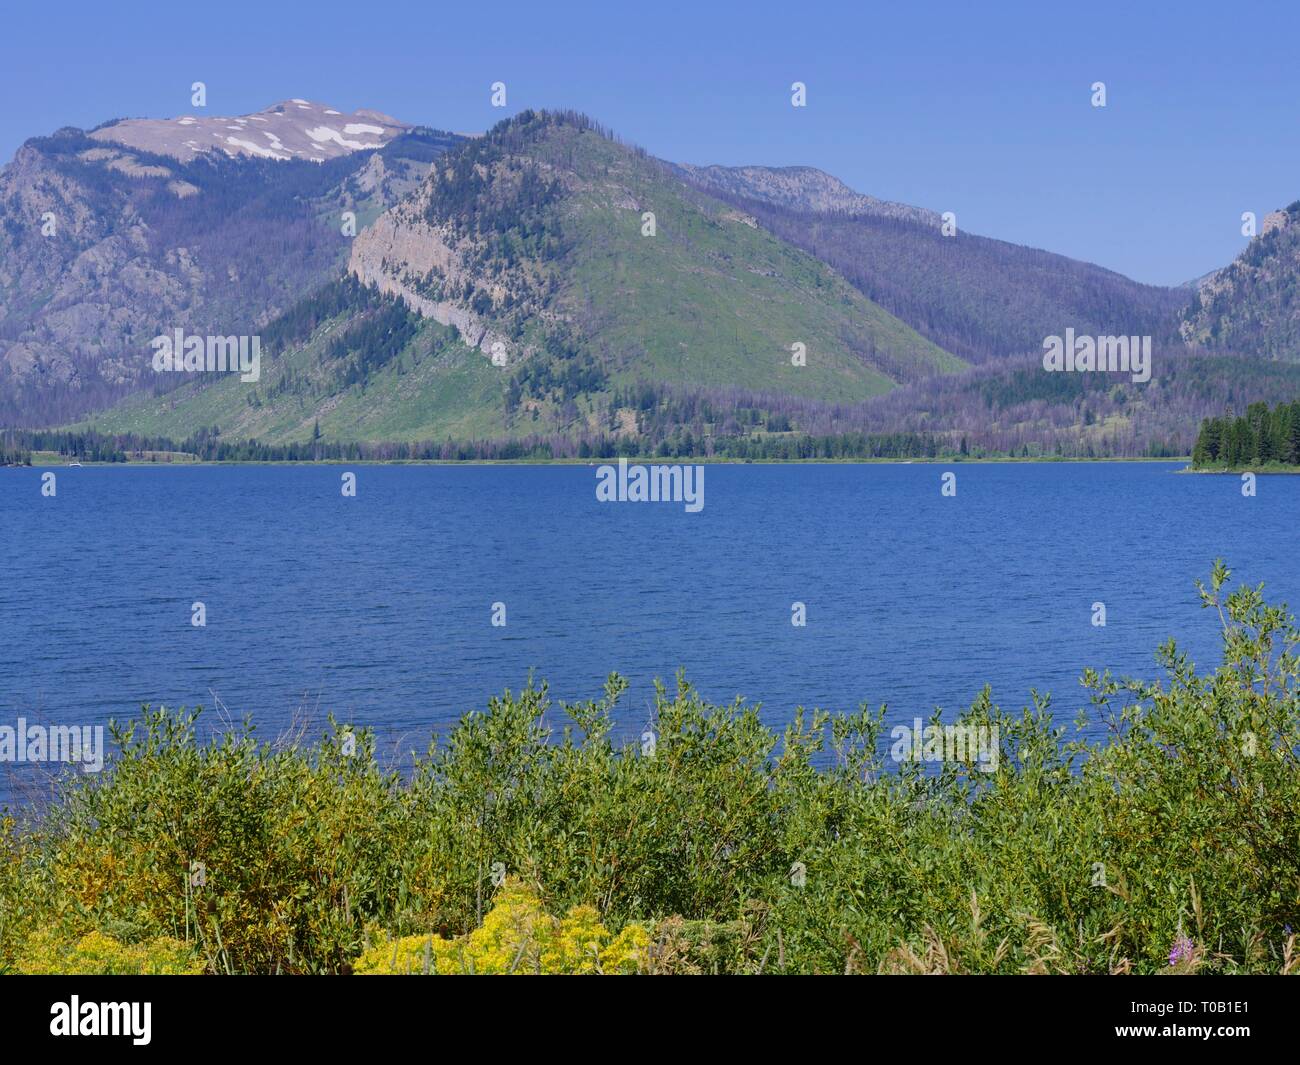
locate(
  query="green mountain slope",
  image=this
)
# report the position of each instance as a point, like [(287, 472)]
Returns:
[(353, 366), (536, 238)]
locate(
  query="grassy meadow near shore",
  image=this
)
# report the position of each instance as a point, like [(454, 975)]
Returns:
[(527, 841)]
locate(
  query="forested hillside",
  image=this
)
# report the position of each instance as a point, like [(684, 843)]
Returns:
[(978, 298)]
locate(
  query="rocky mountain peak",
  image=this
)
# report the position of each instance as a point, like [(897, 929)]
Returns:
[(802, 188)]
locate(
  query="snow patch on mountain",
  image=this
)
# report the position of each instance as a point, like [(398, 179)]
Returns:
[(293, 127)]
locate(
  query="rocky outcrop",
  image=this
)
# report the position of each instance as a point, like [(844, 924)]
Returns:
[(1251, 306), (426, 265), (404, 256)]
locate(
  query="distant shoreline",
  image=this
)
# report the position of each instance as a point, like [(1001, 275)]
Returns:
[(47, 461)]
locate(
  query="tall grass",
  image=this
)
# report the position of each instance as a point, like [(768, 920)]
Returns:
[(1173, 844)]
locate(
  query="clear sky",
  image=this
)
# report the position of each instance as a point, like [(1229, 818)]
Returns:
[(979, 108)]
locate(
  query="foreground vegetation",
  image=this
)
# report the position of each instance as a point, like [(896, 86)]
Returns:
[(527, 840)]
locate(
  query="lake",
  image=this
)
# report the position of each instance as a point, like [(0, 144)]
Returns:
[(379, 607)]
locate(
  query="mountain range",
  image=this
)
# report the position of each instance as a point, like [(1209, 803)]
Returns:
[(545, 282)]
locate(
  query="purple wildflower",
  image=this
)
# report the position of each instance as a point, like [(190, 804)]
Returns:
[(1182, 950)]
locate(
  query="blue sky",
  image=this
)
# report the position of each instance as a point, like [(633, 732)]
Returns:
[(981, 109)]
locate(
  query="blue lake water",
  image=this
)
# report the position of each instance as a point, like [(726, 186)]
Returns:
[(378, 608)]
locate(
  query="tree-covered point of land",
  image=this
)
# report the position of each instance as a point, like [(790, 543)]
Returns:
[(1260, 437)]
